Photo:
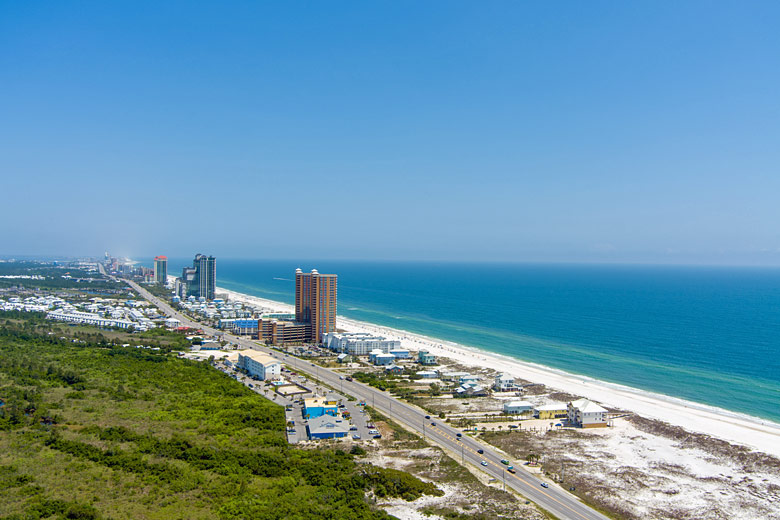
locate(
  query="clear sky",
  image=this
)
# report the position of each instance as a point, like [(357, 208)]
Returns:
[(512, 131)]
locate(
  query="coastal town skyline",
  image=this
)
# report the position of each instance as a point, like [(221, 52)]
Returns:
[(507, 132)]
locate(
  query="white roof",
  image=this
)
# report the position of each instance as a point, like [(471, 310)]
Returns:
[(586, 406), (550, 407), (517, 403), (260, 357)]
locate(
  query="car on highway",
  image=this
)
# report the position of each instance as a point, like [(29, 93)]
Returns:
[(512, 470), (433, 424), (545, 485), (504, 461), (427, 416), (458, 435), (480, 451), (484, 463), (341, 377)]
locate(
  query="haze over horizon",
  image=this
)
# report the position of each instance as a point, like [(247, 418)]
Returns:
[(628, 133)]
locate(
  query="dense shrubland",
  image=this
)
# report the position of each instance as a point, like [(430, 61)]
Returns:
[(93, 430)]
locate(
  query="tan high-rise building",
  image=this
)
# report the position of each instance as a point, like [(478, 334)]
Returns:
[(315, 302)]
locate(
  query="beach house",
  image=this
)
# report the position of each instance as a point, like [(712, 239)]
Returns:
[(552, 411), (424, 358), (586, 414), (504, 383), (517, 407)]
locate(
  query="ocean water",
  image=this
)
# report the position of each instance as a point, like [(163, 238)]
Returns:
[(705, 334)]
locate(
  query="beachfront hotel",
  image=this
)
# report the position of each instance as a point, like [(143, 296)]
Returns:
[(315, 312), (200, 280), (315, 302), (161, 269)]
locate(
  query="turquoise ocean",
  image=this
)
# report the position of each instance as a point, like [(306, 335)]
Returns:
[(704, 334)]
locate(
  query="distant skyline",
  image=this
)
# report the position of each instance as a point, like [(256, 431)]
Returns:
[(460, 131)]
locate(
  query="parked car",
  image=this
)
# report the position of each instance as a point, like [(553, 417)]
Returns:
[(356, 436), (378, 436), (353, 428)]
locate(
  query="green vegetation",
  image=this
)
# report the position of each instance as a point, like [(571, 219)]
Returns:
[(36, 323), (52, 278), (90, 430), (399, 433), (371, 379)]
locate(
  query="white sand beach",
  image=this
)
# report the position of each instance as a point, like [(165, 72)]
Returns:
[(752, 432)]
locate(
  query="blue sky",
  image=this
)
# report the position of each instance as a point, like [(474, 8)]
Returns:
[(510, 131)]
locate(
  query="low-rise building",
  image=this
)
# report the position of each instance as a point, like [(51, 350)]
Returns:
[(319, 406), (427, 374), (517, 407), (425, 358), (504, 383), (468, 378), (471, 389), (586, 414), (400, 353), (445, 375), (259, 365), (552, 411), (358, 343), (381, 359), (89, 319), (327, 427)]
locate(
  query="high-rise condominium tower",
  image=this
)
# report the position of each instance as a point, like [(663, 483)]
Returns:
[(315, 302), (206, 276), (161, 269)]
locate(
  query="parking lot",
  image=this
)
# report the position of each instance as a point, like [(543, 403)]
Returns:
[(294, 405)]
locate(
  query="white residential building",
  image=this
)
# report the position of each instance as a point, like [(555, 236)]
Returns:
[(504, 383), (88, 319), (259, 365), (517, 407), (586, 414), (358, 343)]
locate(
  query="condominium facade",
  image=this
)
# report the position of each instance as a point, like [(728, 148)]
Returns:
[(200, 280), (315, 302), (161, 269), (360, 343)]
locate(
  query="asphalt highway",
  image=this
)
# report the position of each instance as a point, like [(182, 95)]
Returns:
[(554, 499)]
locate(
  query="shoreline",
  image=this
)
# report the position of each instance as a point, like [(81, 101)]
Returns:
[(753, 432)]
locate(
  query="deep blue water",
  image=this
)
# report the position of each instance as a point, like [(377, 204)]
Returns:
[(710, 335)]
